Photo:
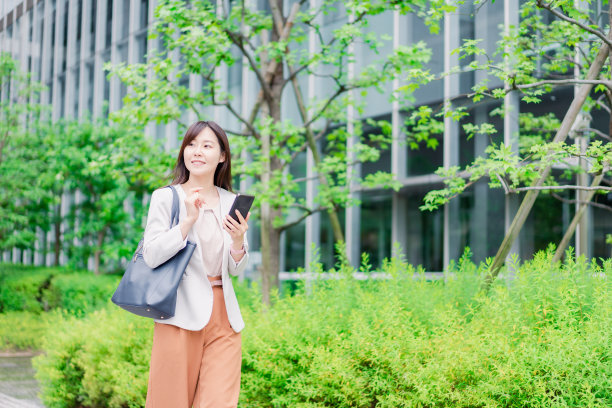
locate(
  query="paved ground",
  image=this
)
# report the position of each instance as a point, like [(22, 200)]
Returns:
[(18, 388), (10, 402)]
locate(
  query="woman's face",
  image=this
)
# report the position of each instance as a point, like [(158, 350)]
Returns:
[(203, 154)]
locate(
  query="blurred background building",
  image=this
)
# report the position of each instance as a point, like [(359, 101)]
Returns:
[(65, 43)]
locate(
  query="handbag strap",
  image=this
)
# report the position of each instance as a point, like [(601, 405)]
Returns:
[(174, 214)]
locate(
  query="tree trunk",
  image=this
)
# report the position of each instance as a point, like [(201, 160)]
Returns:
[(333, 216), (98, 252), (530, 197), (572, 227), (57, 228)]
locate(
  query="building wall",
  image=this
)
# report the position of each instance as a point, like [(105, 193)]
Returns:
[(65, 43)]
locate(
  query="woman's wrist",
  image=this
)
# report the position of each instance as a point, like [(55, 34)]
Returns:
[(190, 221), (237, 248)]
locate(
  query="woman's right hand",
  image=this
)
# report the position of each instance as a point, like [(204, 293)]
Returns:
[(193, 203)]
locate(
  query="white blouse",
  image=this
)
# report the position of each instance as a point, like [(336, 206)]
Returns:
[(209, 230)]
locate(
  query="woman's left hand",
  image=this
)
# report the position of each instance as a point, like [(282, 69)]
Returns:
[(236, 229)]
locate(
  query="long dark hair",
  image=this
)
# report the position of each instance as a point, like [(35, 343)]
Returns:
[(223, 172)]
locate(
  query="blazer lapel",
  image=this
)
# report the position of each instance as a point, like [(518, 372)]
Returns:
[(225, 201)]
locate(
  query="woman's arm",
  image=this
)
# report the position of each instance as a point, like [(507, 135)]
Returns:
[(237, 263), (160, 241), (239, 248)]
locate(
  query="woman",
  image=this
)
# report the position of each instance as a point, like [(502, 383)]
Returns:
[(196, 354)]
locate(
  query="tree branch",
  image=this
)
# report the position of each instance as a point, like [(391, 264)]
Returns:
[(339, 91), (503, 183), (549, 7), (308, 213), (316, 139), (596, 131), (236, 39), (608, 84), (561, 187), (594, 204)]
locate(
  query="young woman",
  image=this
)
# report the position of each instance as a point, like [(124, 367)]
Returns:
[(196, 354)]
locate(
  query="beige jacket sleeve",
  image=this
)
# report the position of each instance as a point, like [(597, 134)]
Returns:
[(236, 268), (161, 242)]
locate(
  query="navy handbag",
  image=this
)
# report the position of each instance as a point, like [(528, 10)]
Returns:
[(151, 292)]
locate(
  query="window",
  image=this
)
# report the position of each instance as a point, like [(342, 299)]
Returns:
[(109, 23), (376, 226), (144, 14), (92, 27), (79, 15), (125, 19), (141, 48)]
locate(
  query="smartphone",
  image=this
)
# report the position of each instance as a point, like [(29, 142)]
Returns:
[(242, 203)]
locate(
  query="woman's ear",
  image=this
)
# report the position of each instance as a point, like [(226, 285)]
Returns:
[(222, 158)]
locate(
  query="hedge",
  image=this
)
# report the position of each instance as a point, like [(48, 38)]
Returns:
[(35, 289), (538, 339)]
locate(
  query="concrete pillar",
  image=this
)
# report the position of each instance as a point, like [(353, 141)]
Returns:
[(511, 128), (312, 223), (114, 102), (353, 213), (98, 85), (450, 143), (57, 50), (71, 80), (398, 149), (47, 56), (86, 37)]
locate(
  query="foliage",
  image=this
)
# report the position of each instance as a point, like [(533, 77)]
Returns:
[(34, 289), (22, 288), (79, 294), (107, 169), (199, 39), (98, 361), (110, 167), (23, 330), (534, 60), (540, 339), (20, 161)]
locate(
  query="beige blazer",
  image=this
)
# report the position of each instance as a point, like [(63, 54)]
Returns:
[(194, 301)]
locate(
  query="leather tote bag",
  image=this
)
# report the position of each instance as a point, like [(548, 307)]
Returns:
[(151, 292)]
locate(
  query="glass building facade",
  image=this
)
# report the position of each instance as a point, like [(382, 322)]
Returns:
[(65, 43)]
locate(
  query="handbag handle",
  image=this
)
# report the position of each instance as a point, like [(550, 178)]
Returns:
[(174, 216)]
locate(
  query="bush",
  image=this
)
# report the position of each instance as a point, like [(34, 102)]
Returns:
[(35, 289), (21, 288), (541, 339), (80, 293), (100, 360), (25, 330)]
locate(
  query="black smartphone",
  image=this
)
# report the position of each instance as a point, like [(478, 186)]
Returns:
[(242, 203)]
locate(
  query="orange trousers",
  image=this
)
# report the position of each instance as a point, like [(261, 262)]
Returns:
[(196, 368)]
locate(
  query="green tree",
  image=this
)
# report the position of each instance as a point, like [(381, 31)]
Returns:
[(107, 169), (19, 164), (538, 58), (273, 43)]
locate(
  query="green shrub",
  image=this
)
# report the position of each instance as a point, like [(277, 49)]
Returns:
[(80, 293), (540, 339), (22, 290), (36, 289), (100, 360), (25, 330)]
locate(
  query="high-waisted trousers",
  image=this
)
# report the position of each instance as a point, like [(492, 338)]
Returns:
[(196, 368)]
